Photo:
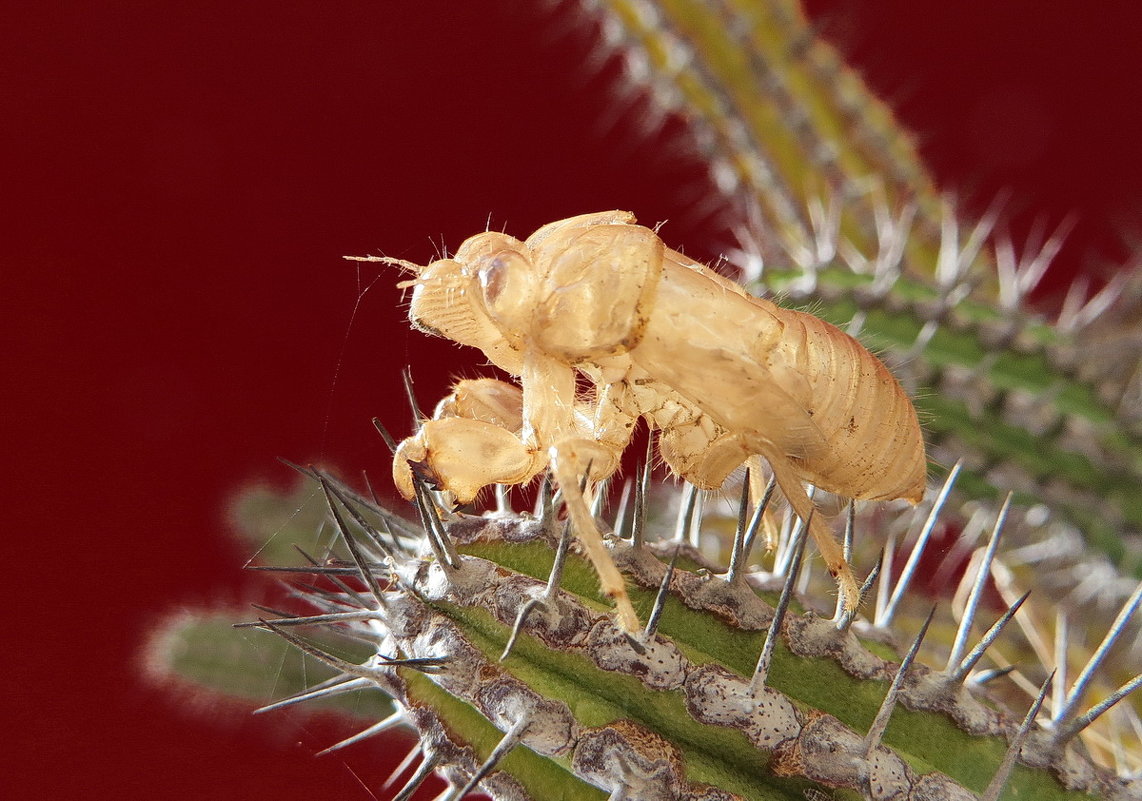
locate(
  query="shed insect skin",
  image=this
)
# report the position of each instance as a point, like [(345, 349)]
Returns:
[(724, 376)]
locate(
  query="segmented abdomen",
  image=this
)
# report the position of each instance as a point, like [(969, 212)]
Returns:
[(874, 447)]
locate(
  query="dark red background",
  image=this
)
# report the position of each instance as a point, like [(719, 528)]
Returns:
[(177, 185)]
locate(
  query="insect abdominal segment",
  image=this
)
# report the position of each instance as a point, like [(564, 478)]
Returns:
[(723, 377)]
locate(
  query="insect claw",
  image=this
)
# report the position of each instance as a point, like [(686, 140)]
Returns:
[(423, 471)]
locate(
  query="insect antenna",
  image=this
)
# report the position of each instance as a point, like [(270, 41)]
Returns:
[(999, 780), (761, 672), (880, 722), (406, 266)]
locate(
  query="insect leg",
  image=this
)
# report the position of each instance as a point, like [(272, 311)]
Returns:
[(769, 525), (461, 456), (827, 544), (567, 469)]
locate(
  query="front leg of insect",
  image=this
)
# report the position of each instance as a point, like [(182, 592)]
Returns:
[(472, 440)]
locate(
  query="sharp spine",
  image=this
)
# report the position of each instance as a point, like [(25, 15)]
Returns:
[(410, 395), (660, 598), (385, 435), (340, 686), (438, 539), (395, 719), (354, 549), (761, 671), (971, 608), (999, 780), (1064, 714), (847, 616), (553, 581), (754, 526), (642, 488), (1069, 731), (880, 723), (884, 620), (961, 671), (686, 513), (839, 611), (506, 744), (422, 772)]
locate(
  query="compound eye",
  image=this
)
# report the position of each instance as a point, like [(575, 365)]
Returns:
[(507, 283)]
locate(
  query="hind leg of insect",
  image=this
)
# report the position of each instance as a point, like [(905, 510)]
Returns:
[(757, 480), (830, 550), (705, 454)]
